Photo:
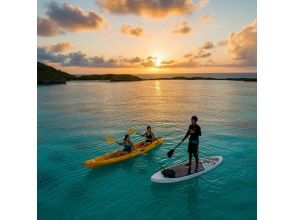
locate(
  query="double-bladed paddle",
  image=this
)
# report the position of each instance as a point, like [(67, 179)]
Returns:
[(111, 140)]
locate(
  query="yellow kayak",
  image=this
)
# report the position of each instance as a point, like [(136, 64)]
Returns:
[(109, 159)]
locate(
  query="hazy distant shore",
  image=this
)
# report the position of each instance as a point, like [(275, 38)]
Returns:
[(49, 75)]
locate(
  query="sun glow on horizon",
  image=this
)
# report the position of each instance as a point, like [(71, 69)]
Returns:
[(159, 59)]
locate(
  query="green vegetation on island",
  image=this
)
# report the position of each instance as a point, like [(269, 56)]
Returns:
[(49, 75), (110, 77)]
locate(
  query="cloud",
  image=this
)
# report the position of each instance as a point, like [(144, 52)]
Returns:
[(45, 55), (183, 28), (60, 47), (242, 45), (167, 62), (80, 59), (207, 45), (155, 9), (67, 17), (149, 62), (74, 18), (203, 3), (222, 43), (133, 60), (188, 55), (48, 27), (205, 18), (180, 64), (202, 54), (132, 31)]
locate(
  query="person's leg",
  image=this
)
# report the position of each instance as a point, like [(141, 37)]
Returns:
[(196, 155), (190, 160), (190, 155), (196, 160)]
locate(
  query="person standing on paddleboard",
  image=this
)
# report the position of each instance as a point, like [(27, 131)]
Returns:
[(193, 147)]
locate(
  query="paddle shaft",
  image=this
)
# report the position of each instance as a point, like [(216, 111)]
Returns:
[(179, 144)]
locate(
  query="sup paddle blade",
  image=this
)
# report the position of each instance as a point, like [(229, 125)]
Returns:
[(170, 153), (110, 140), (132, 131)]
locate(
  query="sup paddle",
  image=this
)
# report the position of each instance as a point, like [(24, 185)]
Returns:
[(170, 153)]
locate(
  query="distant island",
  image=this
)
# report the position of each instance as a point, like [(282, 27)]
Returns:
[(49, 75), (204, 78), (110, 77)]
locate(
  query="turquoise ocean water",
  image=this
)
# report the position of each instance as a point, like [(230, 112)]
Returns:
[(74, 119)]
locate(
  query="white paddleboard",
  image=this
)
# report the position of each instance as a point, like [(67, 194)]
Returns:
[(183, 172)]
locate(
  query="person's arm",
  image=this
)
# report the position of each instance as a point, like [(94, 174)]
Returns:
[(153, 136), (187, 134), (143, 135), (199, 131)]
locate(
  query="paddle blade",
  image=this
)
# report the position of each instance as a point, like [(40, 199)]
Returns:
[(170, 153), (110, 140), (132, 131)]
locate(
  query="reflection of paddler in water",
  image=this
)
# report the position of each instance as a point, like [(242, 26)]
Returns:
[(128, 146), (193, 147)]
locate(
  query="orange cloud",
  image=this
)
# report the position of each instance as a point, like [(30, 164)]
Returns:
[(207, 45), (183, 28), (60, 47), (243, 45), (203, 3), (152, 9), (205, 18), (222, 43), (133, 31)]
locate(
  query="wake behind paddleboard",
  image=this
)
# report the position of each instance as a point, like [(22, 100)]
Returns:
[(183, 172)]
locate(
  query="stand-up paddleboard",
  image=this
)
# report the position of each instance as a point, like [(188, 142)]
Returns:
[(181, 172)]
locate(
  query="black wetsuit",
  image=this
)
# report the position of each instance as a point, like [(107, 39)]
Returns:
[(193, 147), (194, 131)]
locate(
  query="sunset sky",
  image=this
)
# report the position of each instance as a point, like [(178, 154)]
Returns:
[(148, 36)]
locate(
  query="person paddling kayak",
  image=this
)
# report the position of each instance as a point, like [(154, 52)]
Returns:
[(193, 146), (128, 146), (149, 135)]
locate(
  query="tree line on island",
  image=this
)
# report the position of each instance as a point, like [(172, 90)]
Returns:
[(49, 75)]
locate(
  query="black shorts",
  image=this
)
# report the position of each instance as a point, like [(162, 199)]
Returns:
[(193, 148)]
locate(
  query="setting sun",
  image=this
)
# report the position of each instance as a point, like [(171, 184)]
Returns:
[(158, 60)]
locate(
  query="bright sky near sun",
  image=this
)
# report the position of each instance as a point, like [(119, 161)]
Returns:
[(148, 36)]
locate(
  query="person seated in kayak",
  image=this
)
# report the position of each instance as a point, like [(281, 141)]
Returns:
[(194, 132), (149, 135), (128, 146)]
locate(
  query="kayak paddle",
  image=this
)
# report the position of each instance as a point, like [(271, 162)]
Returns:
[(132, 131), (170, 153), (110, 140)]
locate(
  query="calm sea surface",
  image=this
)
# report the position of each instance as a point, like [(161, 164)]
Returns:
[(74, 119)]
